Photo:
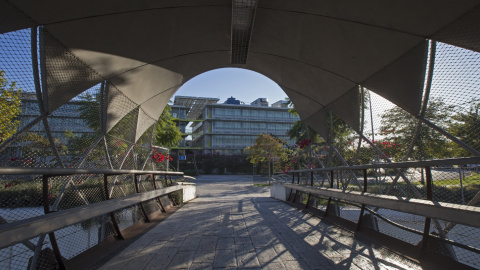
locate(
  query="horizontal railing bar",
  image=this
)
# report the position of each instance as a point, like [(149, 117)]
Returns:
[(70, 171), (406, 164), (464, 214), (386, 220), (448, 241), (394, 223), (22, 230)]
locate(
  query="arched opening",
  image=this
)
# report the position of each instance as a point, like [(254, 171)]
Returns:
[(222, 112)]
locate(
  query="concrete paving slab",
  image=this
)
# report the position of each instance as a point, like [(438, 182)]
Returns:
[(234, 225)]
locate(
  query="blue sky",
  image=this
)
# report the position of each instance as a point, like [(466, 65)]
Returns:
[(244, 85)]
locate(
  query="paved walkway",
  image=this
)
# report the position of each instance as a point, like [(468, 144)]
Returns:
[(234, 225)]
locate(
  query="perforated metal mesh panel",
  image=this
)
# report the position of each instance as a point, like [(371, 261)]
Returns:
[(243, 12), (71, 131)]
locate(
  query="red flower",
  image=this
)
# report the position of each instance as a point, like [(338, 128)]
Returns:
[(9, 185)]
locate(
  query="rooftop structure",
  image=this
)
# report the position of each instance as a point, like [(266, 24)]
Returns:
[(195, 104), (260, 102), (232, 101), (280, 104)]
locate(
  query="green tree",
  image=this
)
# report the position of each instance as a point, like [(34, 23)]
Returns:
[(299, 130), (398, 129), (89, 109), (10, 107), (167, 132), (266, 149), (466, 127)]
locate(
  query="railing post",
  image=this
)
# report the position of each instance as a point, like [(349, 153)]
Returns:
[(426, 230), (165, 179), (46, 210), (309, 194), (158, 198), (291, 190), (362, 211), (112, 215), (332, 174), (329, 198), (147, 219), (298, 183)]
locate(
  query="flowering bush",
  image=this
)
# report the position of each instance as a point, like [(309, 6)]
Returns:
[(303, 143), (160, 157)]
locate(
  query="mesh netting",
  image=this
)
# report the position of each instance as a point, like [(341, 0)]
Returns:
[(73, 117), (85, 123), (461, 234)]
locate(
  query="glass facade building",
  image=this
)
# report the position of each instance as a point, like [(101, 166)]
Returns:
[(65, 119), (229, 129)]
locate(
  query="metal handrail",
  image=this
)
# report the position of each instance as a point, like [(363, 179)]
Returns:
[(396, 165), (21, 231), (433, 211), (467, 247), (71, 171)]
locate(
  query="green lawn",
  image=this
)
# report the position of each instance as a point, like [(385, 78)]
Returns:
[(469, 180)]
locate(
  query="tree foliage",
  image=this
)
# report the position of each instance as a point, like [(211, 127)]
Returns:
[(466, 127), (299, 130), (268, 149), (89, 110), (10, 107), (167, 132), (265, 148), (398, 129)]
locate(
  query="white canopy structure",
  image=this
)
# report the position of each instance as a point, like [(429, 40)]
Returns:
[(319, 52)]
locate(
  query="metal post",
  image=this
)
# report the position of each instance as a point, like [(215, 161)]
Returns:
[(329, 198), (46, 209), (360, 218), (426, 230), (298, 183), (309, 194), (158, 198), (112, 215), (462, 175), (147, 219), (291, 190)]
